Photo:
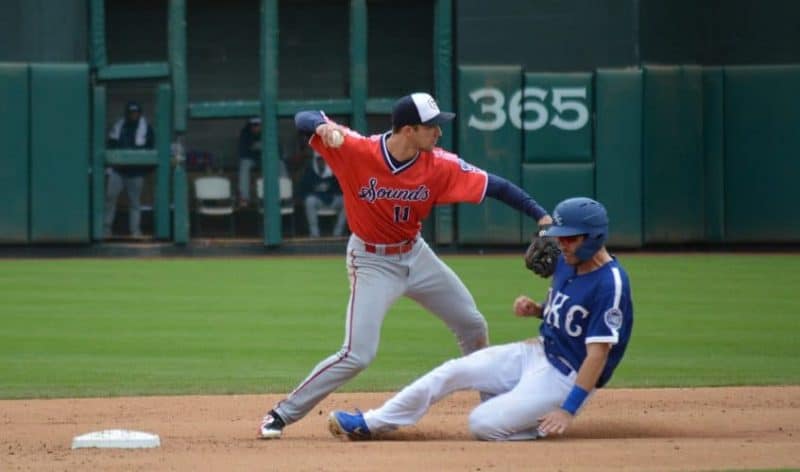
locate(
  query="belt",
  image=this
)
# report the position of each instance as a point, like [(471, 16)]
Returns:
[(390, 249), (560, 364)]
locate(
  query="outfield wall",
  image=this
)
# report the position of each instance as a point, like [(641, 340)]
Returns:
[(559, 97), (679, 154)]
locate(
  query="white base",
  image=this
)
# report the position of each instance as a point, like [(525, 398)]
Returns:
[(116, 438)]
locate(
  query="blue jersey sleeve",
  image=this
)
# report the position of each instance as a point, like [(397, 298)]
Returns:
[(612, 306)]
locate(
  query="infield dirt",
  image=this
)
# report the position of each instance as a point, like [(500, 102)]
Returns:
[(621, 429)]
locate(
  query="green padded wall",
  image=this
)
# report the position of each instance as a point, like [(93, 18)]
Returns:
[(555, 112), (59, 153), (762, 145), (618, 152), (551, 183), (673, 162), (488, 140), (14, 160), (714, 143)]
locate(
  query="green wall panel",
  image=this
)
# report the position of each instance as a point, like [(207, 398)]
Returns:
[(488, 140), (673, 161), (551, 183), (618, 152), (762, 145), (714, 142), (59, 153), (14, 160), (555, 112)]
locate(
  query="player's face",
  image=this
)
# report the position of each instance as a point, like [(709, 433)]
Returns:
[(568, 246), (425, 136)]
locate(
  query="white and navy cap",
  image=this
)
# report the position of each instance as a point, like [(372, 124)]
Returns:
[(418, 109), (133, 107)]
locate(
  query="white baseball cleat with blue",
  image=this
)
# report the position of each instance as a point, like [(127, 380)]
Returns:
[(350, 425)]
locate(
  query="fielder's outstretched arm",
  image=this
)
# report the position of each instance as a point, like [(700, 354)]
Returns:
[(513, 196)]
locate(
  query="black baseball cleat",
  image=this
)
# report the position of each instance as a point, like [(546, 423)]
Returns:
[(271, 426)]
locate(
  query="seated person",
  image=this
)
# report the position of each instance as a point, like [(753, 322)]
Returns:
[(249, 156), (129, 132), (321, 190)]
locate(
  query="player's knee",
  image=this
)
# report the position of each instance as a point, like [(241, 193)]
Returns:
[(476, 337), (483, 429), (360, 360)]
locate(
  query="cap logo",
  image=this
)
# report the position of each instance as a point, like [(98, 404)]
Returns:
[(557, 219), (426, 106)]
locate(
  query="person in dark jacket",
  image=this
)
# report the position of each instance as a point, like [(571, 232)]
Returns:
[(321, 191), (131, 131)]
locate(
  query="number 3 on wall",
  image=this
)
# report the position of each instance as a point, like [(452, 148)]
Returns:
[(571, 114)]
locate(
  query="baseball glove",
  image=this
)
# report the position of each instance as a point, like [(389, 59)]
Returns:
[(541, 255)]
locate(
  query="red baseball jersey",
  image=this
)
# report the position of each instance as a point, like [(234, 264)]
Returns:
[(386, 203)]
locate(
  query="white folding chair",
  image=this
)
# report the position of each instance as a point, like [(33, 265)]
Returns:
[(286, 194), (213, 197)]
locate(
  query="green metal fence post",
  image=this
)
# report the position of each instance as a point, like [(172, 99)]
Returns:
[(176, 34), (98, 161), (358, 63), (269, 119), (443, 83), (163, 141)]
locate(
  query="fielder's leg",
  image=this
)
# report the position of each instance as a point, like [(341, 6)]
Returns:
[(376, 283), (436, 287)]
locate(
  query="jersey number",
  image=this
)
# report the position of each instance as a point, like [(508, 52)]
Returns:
[(401, 213)]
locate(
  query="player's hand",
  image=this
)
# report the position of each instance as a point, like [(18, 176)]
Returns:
[(555, 422), (524, 306), (327, 132), (546, 220)]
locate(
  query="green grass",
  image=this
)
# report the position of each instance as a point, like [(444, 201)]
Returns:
[(88, 327)]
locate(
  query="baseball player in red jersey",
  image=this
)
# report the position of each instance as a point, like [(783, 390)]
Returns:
[(390, 183)]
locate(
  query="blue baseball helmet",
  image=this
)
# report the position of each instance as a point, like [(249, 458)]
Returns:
[(581, 215)]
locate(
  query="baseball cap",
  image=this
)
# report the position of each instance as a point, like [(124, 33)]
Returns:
[(254, 120), (133, 107), (418, 109)]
